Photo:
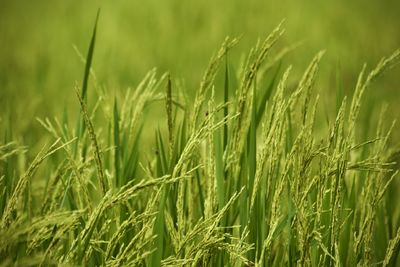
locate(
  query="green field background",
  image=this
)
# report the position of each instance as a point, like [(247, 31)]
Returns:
[(39, 65)]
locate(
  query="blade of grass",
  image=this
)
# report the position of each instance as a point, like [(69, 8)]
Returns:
[(117, 146), (80, 127), (266, 96)]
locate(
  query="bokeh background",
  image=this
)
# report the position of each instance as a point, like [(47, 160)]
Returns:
[(39, 65)]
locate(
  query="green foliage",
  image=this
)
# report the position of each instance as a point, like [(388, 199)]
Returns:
[(245, 180)]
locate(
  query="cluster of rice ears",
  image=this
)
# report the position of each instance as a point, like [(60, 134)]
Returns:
[(241, 181)]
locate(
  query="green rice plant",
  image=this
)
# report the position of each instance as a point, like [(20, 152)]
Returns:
[(241, 178)]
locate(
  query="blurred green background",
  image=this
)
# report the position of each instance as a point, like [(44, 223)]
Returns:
[(39, 66)]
